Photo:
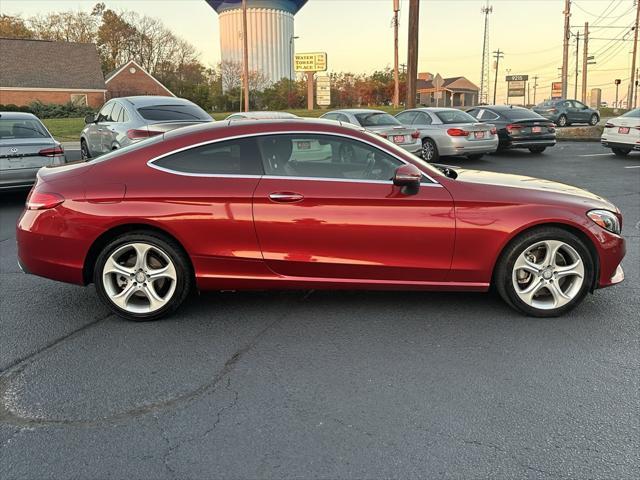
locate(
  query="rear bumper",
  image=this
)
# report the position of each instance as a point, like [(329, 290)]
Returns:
[(618, 144), (531, 142), (18, 178), (462, 146), (414, 147)]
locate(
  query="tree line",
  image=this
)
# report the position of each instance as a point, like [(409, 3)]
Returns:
[(124, 35)]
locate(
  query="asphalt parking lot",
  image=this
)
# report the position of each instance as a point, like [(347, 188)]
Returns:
[(328, 384)]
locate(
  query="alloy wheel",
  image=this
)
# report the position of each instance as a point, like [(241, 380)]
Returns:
[(139, 278), (428, 150), (548, 274)]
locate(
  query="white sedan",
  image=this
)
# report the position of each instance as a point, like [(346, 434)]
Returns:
[(622, 134)]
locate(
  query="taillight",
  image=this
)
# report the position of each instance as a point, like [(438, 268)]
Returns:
[(457, 132), (415, 134), (609, 125), (43, 200), (137, 134), (511, 128), (494, 131), (51, 152)]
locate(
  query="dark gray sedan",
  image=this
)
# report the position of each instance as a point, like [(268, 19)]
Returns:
[(126, 120), (566, 112), (25, 147)]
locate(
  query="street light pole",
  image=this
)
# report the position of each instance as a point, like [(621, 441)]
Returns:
[(290, 67), (497, 55)]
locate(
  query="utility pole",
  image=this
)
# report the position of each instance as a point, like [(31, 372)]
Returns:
[(497, 55), (396, 74), (508, 70), (585, 61), (575, 87), (617, 81), (565, 47), (412, 53), (635, 95), (486, 58), (535, 87), (635, 53), (245, 56)]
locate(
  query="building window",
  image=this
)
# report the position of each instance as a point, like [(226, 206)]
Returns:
[(79, 99)]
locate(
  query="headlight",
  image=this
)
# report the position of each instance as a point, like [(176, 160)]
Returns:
[(606, 219)]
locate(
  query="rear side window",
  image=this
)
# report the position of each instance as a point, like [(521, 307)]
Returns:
[(20, 128), (115, 113), (180, 112), (487, 115), (407, 117), (455, 116), (233, 157)]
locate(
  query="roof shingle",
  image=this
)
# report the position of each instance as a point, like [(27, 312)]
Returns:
[(45, 64)]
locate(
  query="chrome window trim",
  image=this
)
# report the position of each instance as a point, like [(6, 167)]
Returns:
[(151, 162)]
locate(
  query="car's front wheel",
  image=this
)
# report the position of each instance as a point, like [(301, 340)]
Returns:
[(620, 152), (545, 272), (142, 276), (84, 150), (429, 150)]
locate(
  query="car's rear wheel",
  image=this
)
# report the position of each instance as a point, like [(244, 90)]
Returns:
[(429, 150), (594, 120), (537, 149), (562, 121), (545, 272), (142, 276), (621, 152), (84, 150), (475, 156)]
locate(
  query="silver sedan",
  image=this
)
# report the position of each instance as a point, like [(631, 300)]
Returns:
[(450, 132), (126, 120), (380, 123), (25, 147)]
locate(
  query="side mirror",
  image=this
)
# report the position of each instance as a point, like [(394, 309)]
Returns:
[(408, 176), (89, 119)]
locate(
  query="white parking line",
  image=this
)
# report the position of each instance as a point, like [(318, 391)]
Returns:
[(595, 154), (633, 166)]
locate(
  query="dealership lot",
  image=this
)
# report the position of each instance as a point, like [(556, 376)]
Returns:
[(328, 384)]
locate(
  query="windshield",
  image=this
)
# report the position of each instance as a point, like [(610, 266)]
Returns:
[(376, 119), (519, 113), (163, 113), (633, 113), (455, 116), (21, 128)]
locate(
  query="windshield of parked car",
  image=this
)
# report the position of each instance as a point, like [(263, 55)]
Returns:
[(163, 113), (21, 128), (633, 113), (376, 119), (519, 113), (455, 116)]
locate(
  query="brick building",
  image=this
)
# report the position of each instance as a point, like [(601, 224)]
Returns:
[(131, 79), (51, 72)]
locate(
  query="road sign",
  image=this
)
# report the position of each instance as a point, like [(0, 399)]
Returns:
[(323, 91), (556, 90), (516, 88), (310, 62), (517, 78)]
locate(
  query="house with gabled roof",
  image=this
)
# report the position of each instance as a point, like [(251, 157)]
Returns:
[(453, 92), (51, 72), (132, 79)]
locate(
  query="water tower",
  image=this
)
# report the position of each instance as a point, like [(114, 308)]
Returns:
[(270, 34)]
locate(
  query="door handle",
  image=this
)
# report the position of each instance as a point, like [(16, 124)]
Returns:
[(285, 197)]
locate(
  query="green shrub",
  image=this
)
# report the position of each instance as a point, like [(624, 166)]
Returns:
[(54, 110), (10, 107)]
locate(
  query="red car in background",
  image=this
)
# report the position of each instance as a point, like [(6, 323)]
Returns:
[(309, 204)]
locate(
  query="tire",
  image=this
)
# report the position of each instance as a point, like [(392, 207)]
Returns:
[(118, 271), (593, 121), (529, 286), (429, 152), (620, 152), (476, 156), (537, 149), (562, 121), (85, 154)]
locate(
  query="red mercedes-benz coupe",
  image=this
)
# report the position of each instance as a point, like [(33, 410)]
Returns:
[(309, 204)]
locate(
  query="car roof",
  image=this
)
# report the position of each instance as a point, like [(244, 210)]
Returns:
[(358, 110), (502, 108), (146, 100), (18, 116), (432, 109)]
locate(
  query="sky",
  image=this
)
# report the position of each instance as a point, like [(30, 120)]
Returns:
[(358, 37)]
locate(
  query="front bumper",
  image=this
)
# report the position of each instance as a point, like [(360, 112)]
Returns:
[(611, 250)]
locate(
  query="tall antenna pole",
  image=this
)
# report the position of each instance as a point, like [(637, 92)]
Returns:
[(245, 56), (486, 58), (635, 54), (497, 55), (412, 53), (535, 87), (585, 61), (565, 47), (396, 74), (575, 87)]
